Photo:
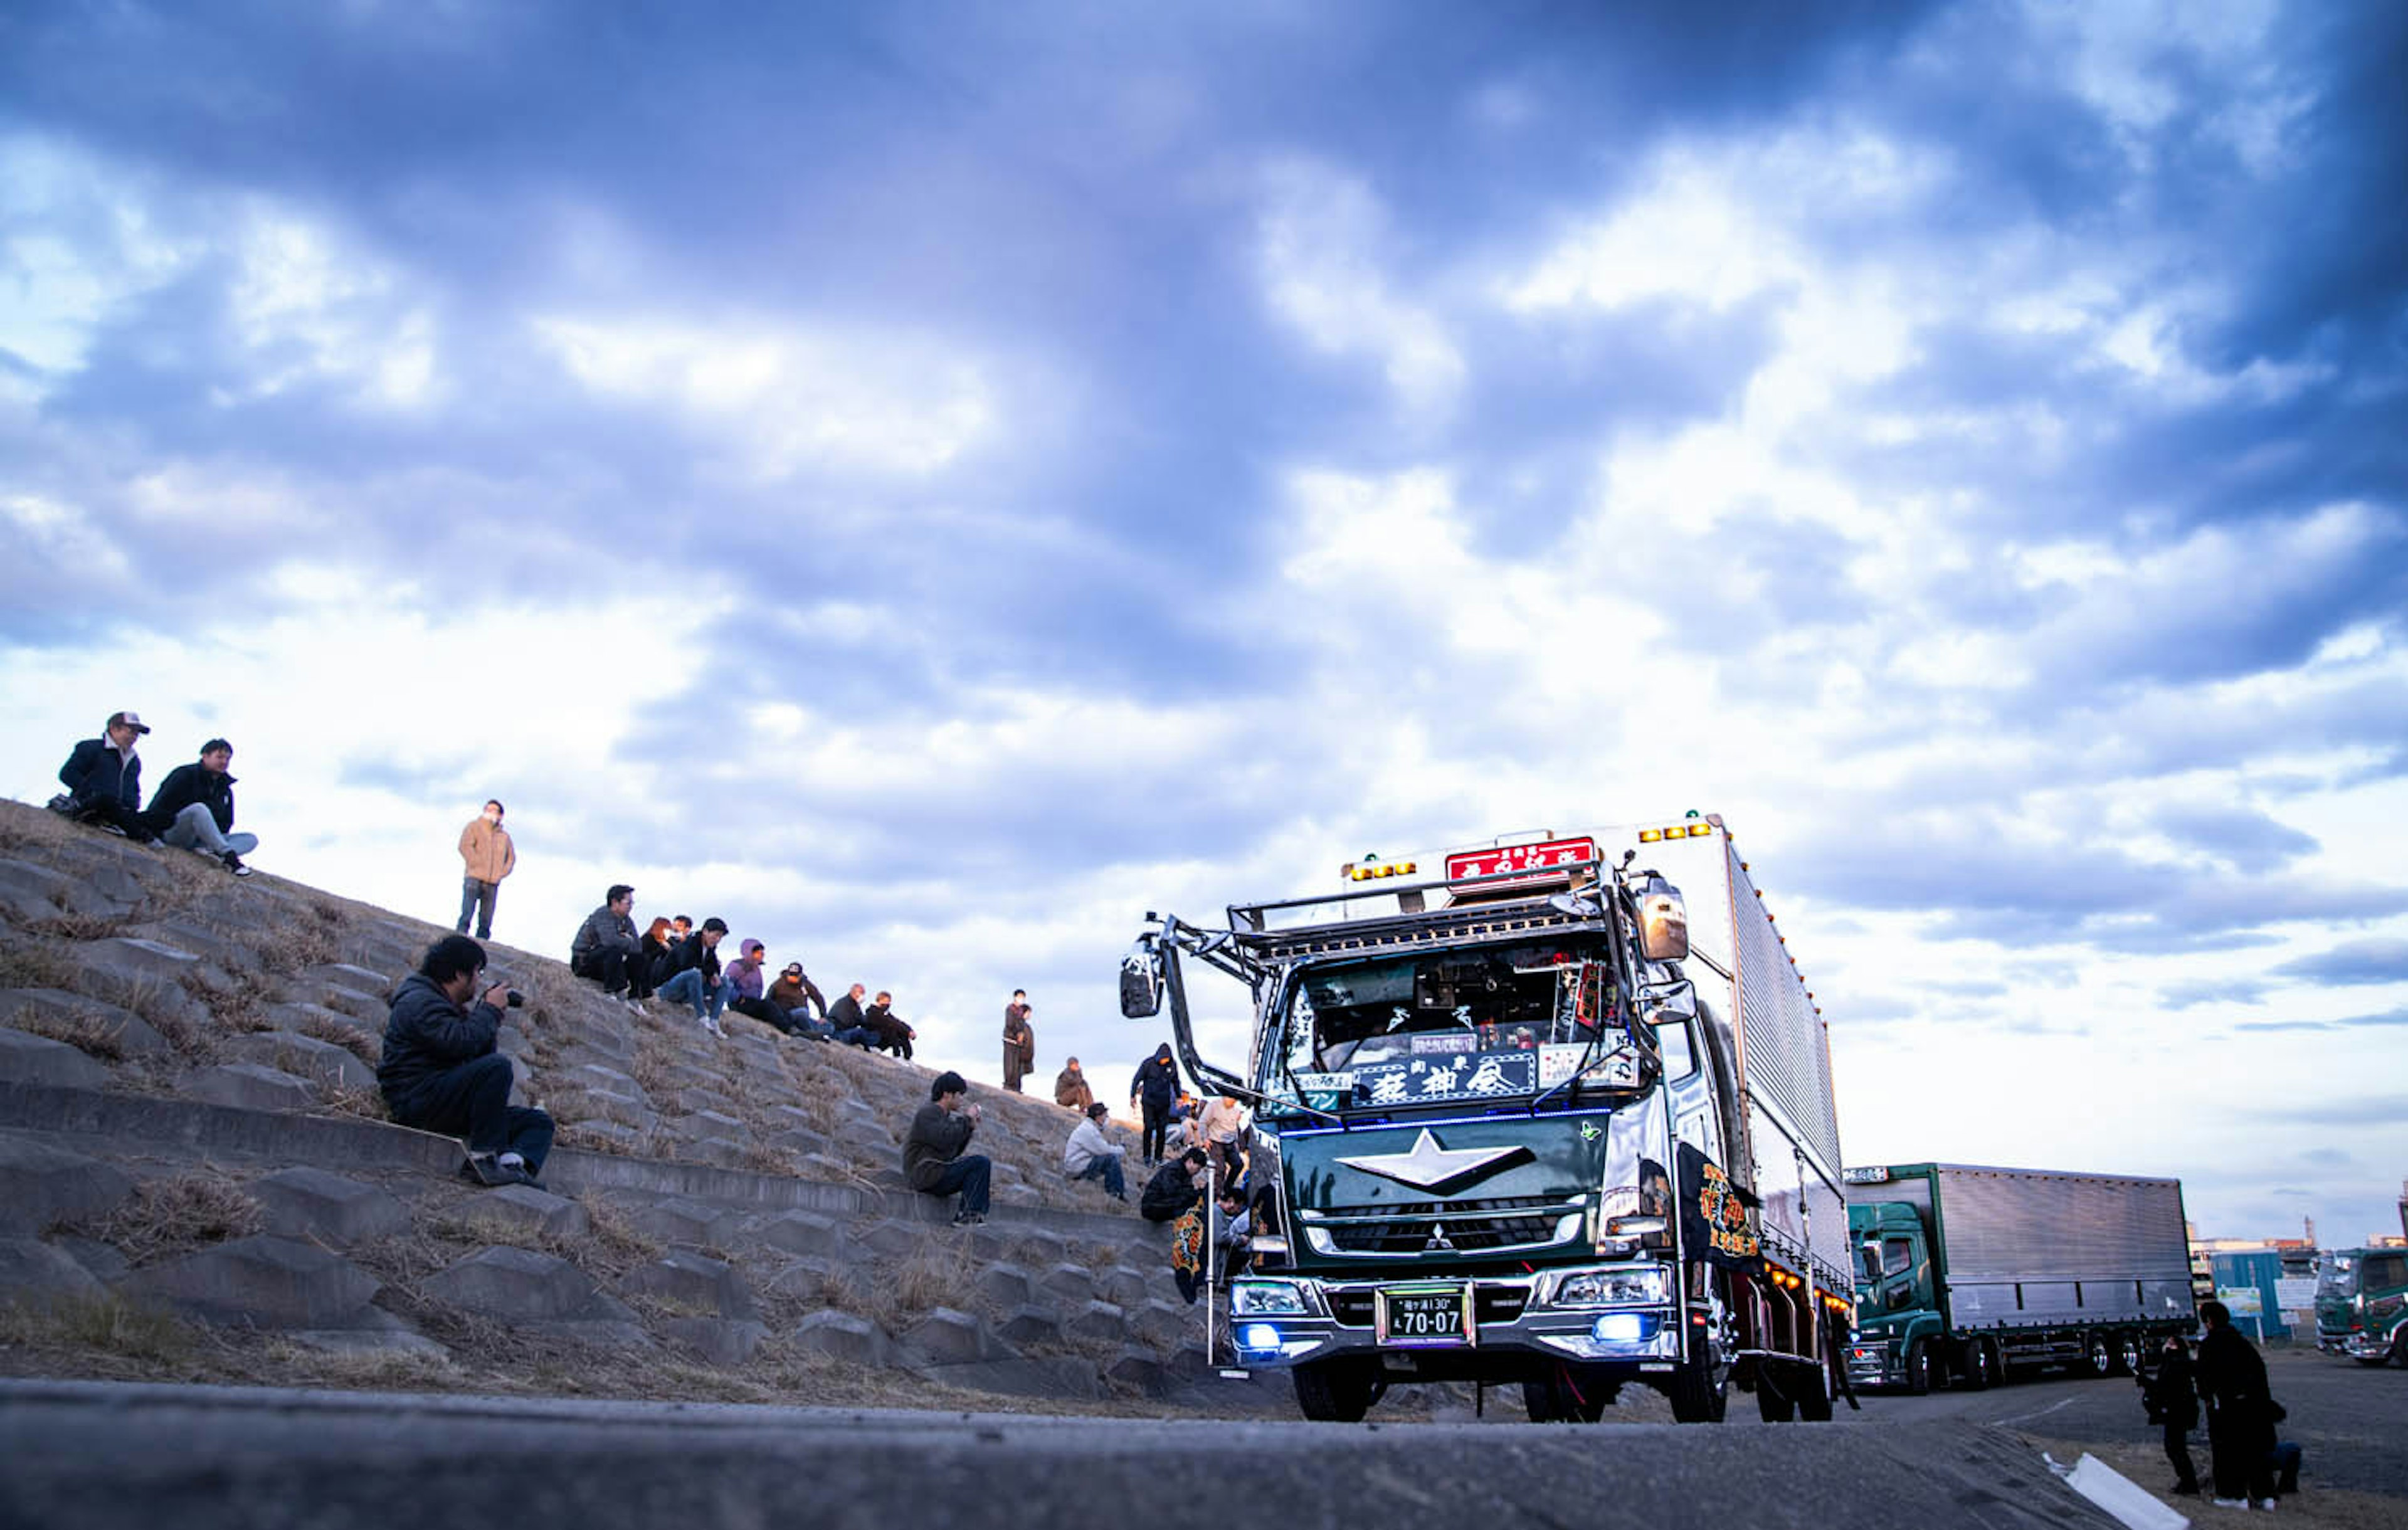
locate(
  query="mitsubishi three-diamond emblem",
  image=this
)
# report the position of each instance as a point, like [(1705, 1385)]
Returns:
[(1435, 1168)]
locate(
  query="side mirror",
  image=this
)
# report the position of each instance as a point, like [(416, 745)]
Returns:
[(1141, 981), (1663, 922), (1666, 1004)]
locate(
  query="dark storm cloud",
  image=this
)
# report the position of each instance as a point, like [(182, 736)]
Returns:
[(2352, 963)]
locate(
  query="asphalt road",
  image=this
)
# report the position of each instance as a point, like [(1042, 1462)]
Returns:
[(101, 1457), (2349, 1419)]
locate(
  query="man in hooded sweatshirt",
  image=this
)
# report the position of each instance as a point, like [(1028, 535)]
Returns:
[(1153, 1092), (440, 1073)]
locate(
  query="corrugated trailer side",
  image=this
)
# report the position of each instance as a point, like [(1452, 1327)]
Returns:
[(1745, 977), (2032, 1247)]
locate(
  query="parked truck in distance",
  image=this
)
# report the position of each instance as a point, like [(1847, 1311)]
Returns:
[(1965, 1273), (1526, 1115), (2362, 1305)]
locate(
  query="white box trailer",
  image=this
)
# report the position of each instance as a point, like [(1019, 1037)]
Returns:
[(1747, 980)]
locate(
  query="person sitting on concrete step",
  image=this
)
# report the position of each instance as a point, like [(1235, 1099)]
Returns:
[(693, 975), (933, 1160), (1091, 1155), (889, 1030), (845, 1021), (103, 778), (793, 995), (1071, 1088), (747, 989), (440, 1073), (194, 810), (650, 964), (606, 941)]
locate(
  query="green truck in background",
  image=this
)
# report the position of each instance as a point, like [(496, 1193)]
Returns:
[(2362, 1305), (1965, 1272)]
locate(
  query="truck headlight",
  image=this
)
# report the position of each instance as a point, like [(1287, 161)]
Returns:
[(1266, 1299), (1641, 1285)]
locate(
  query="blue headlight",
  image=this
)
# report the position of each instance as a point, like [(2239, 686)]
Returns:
[(1621, 1327), (1258, 1336)]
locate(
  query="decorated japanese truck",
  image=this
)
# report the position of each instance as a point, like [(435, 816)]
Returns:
[(1966, 1273), (1552, 1112), (2362, 1305)]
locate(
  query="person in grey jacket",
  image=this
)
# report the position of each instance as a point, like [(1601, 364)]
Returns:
[(440, 1073), (1091, 1155), (606, 940), (933, 1160)]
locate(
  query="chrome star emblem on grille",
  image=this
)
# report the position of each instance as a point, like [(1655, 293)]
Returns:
[(1431, 1166)]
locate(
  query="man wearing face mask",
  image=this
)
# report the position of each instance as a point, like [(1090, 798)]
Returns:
[(487, 855)]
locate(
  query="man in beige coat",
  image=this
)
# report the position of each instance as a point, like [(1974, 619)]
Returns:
[(486, 852)]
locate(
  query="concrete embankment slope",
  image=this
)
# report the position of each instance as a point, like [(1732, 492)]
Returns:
[(199, 1181), (102, 1458)]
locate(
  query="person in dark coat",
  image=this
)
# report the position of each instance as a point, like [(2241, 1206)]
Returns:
[(103, 778), (796, 996), (194, 810), (650, 964), (606, 940), (693, 975), (933, 1160), (1153, 1090), (2240, 1412), (888, 1030), (440, 1073), (846, 1023), (1019, 1040), (2172, 1395)]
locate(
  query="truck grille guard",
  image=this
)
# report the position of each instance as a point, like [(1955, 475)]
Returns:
[(1513, 1225)]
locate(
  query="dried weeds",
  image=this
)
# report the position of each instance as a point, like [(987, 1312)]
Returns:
[(164, 1218)]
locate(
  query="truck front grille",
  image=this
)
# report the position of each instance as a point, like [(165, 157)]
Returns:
[(1521, 1221), (1489, 1303)]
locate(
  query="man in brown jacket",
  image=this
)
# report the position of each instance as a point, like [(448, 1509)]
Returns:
[(1018, 1041), (1071, 1088), (488, 855)]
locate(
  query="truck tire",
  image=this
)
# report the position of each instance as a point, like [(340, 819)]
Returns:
[(1973, 1367), (1918, 1368), (1815, 1396), (1695, 1394), (1564, 1398), (2128, 1354), (2101, 1355), (1334, 1391)]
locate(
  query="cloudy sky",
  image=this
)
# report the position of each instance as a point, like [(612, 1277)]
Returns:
[(931, 483)]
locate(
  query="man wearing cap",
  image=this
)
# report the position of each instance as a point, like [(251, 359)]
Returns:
[(793, 994), (486, 856), (194, 810), (103, 778)]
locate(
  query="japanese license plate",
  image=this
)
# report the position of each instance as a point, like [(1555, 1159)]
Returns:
[(1424, 1316)]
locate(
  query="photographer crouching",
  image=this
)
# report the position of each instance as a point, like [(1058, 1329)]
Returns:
[(440, 1073)]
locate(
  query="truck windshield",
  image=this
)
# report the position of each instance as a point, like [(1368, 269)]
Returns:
[(2339, 1278), (1510, 999)]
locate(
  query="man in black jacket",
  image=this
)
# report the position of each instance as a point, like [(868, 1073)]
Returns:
[(889, 1031), (103, 778), (1156, 1089), (933, 1160), (2240, 1412), (604, 941), (440, 1073), (2172, 1399), (194, 810)]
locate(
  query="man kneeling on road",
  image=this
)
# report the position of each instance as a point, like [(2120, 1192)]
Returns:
[(441, 1072), (933, 1160)]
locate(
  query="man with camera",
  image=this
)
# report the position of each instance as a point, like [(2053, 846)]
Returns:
[(441, 1072)]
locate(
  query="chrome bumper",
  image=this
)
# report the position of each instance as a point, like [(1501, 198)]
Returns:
[(2360, 1345), (1338, 1320)]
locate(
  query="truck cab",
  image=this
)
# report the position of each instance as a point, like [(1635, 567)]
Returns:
[(2362, 1305), (1899, 1329)]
